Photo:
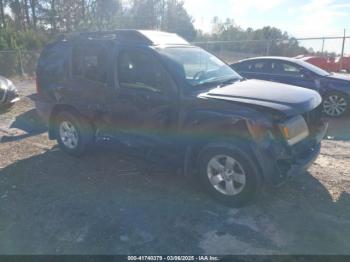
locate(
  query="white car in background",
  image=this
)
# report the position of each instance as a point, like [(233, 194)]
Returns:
[(8, 93)]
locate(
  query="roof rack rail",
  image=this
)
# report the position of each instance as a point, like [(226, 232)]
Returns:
[(144, 37), (128, 35), (88, 35), (99, 34)]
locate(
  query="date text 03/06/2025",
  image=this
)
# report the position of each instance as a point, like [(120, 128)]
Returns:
[(173, 258)]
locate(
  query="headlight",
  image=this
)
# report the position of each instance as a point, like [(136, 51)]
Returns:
[(294, 130)]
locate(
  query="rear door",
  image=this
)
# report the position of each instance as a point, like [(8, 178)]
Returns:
[(87, 87), (52, 69)]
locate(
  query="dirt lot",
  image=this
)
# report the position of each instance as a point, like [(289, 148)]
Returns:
[(107, 203)]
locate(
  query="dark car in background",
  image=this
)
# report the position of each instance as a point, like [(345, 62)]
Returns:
[(334, 88), (166, 100), (8, 93)]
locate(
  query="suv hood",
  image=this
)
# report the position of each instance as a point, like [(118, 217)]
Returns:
[(290, 100)]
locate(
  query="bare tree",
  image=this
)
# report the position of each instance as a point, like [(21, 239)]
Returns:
[(83, 9), (26, 11), (33, 6), (53, 16), (2, 14)]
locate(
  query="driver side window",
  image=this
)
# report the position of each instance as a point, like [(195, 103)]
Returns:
[(141, 71), (197, 65)]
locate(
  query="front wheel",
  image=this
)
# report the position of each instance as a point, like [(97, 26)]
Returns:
[(73, 133), (229, 175), (335, 105)]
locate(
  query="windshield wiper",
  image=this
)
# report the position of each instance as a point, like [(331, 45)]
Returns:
[(229, 81), (217, 81)]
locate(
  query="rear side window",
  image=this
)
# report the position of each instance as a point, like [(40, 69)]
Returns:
[(287, 69), (90, 62), (259, 67)]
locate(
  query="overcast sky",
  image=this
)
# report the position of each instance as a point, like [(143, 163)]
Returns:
[(301, 18)]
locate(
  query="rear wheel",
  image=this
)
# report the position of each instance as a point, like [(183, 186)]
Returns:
[(229, 175), (335, 105), (73, 133)]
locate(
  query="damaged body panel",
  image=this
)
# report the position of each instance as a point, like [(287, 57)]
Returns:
[(223, 117)]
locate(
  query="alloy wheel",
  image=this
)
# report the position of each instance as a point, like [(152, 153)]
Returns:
[(226, 175), (68, 135), (335, 105)]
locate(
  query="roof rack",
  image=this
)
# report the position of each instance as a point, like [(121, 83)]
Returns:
[(145, 37)]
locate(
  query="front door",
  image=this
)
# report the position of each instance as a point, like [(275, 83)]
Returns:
[(145, 104)]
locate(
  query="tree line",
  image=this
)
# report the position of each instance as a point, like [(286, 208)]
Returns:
[(30, 24), (263, 41)]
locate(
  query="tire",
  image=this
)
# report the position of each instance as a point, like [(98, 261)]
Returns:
[(243, 191), (74, 134), (335, 104)]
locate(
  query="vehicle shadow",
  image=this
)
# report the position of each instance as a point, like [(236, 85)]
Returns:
[(4, 109), (110, 203), (25, 125), (339, 128)]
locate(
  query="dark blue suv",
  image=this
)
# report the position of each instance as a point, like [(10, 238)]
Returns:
[(334, 88), (157, 96)]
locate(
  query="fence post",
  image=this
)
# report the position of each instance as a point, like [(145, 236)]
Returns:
[(342, 52), (323, 46), (222, 50), (21, 71), (267, 47)]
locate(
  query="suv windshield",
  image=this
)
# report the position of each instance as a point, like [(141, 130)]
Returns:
[(199, 67)]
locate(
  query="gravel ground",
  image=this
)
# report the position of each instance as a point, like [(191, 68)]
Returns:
[(107, 203)]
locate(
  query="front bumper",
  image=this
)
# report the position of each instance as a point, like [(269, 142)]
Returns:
[(279, 165), (14, 100), (306, 159), (10, 97)]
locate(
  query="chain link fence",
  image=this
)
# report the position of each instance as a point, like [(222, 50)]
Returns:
[(333, 50), (18, 63), (232, 51)]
